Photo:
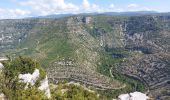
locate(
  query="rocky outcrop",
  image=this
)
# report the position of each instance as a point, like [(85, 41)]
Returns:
[(133, 96), (32, 78), (2, 96), (44, 86), (29, 78), (148, 34)]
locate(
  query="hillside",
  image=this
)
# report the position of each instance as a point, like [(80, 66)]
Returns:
[(107, 53)]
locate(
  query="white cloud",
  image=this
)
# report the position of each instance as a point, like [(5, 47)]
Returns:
[(86, 4), (13, 13), (133, 5), (88, 7), (19, 12), (136, 7), (146, 9), (112, 6), (45, 7), (94, 6)]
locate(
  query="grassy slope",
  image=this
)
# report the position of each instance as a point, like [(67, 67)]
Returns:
[(47, 43)]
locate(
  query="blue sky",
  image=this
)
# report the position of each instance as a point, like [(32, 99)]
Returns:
[(26, 8)]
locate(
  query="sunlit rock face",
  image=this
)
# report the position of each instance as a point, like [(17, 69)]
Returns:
[(2, 97), (29, 78), (133, 96), (32, 78), (2, 59), (1, 66), (45, 87)]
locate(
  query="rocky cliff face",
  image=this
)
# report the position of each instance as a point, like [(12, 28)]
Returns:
[(78, 42), (13, 32), (148, 34)]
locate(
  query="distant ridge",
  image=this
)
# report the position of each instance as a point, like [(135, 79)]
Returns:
[(130, 13), (55, 16)]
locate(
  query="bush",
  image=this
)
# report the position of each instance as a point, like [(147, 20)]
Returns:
[(72, 92), (10, 85)]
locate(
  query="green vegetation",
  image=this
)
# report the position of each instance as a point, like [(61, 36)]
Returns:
[(131, 86), (49, 43), (65, 91), (22, 65), (10, 85), (107, 60), (55, 45), (19, 93), (107, 67)]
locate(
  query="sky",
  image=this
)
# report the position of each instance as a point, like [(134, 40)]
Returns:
[(10, 9)]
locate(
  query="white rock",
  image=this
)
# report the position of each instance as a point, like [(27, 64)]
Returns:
[(32, 78), (124, 97), (45, 87), (1, 66), (29, 78), (2, 97), (133, 96)]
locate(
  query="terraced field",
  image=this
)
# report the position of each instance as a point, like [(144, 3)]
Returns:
[(85, 76)]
